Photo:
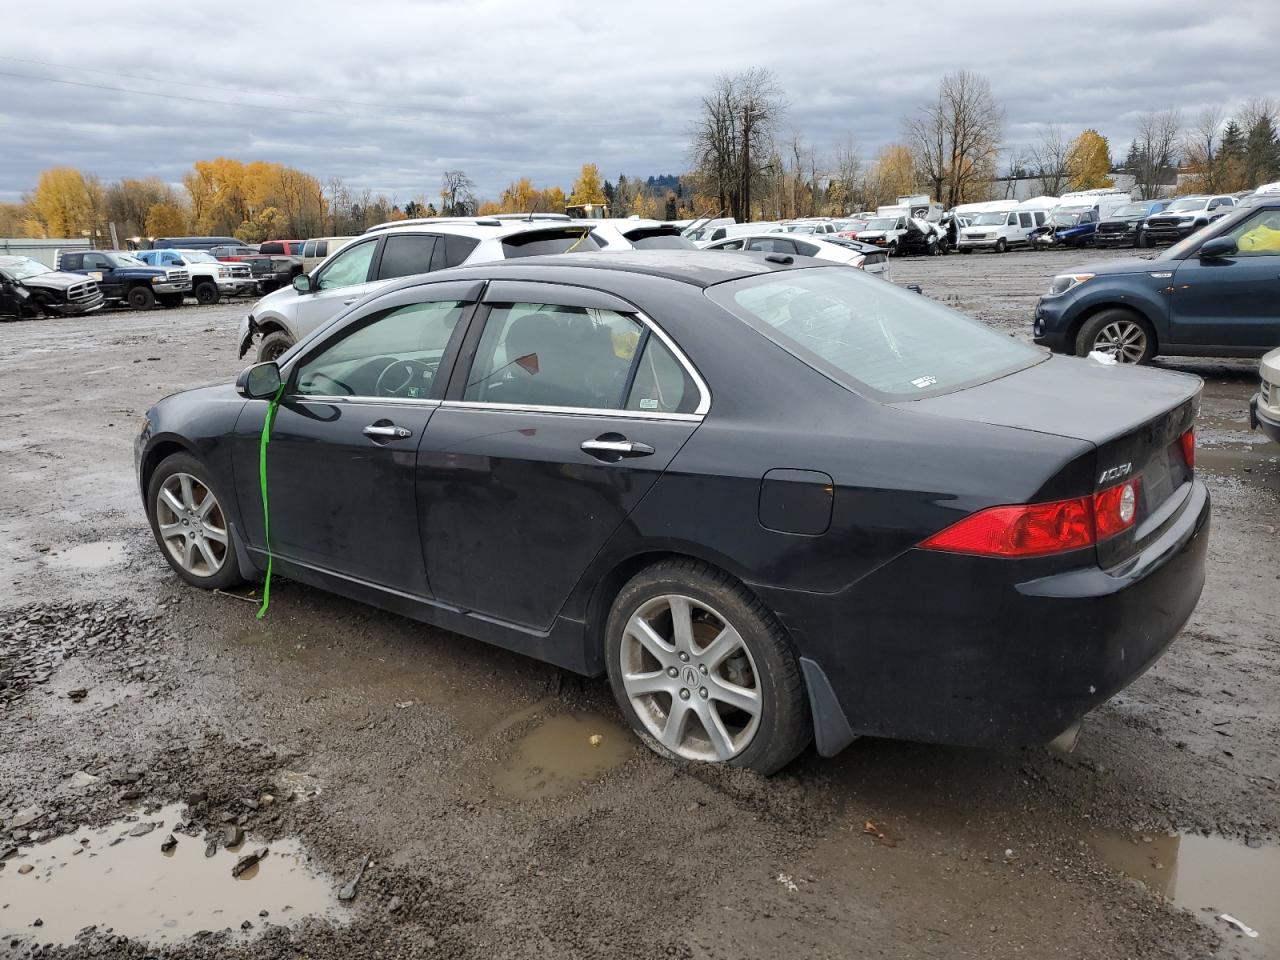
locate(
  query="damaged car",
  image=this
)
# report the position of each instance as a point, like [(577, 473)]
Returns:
[(28, 288), (773, 500)]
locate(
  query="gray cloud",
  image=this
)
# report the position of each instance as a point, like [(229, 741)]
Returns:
[(395, 92)]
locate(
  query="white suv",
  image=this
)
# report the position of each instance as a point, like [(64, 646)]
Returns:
[(392, 250)]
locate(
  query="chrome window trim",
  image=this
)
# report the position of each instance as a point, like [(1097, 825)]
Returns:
[(358, 399), (570, 411)]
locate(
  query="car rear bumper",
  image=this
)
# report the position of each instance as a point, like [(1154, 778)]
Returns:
[(952, 649), (1264, 419)]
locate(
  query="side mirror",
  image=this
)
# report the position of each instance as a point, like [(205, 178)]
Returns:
[(303, 283), (1217, 248), (259, 382)]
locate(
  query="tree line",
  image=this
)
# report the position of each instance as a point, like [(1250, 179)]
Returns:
[(744, 162)]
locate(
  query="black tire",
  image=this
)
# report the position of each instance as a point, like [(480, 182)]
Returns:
[(1120, 320), (206, 292), (141, 298), (965, 250), (893, 249), (1001, 246), (171, 300), (784, 727), (273, 345), (228, 573)]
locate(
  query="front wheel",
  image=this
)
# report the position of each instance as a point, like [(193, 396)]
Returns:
[(703, 670), (206, 292), (1001, 246), (1118, 333), (273, 346), (189, 523), (141, 298)]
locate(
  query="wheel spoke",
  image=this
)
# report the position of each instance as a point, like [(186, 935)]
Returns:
[(207, 504), (189, 553), (681, 623), (709, 716), (677, 721), (210, 560), (638, 684), (172, 502), (216, 534), (170, 530), (640, 629), (742, 698), (719, 649), (188, 495)]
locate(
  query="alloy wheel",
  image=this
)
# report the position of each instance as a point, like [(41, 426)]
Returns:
[(192, 525), (690, 678), (1123, 339)]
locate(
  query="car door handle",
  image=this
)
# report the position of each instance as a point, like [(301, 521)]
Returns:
[(347, 303), (386, 431), (607, 449)]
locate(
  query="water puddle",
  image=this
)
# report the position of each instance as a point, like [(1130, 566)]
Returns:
[(556, 756), (89, 556), (1208, 876), (141, 891)]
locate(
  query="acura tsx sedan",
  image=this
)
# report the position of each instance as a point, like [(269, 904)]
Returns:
[(773, 500)]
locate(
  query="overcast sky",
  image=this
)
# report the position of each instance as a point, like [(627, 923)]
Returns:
[(389, 94)]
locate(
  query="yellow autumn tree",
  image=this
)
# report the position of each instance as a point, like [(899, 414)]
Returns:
[(66, 203), (588, 188), (892, 175), (1089, 161), (166, 220)]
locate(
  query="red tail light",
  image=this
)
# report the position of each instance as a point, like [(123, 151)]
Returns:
[(1040, 529), (1189, 448)]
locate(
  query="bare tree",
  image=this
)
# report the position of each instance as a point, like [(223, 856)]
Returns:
[(731, 140), (1155, 150), (1200, 148), (457, 194), (956, 139), (846, 176), (1047, 160)]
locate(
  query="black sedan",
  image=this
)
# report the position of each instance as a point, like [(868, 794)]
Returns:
[(772, 499)]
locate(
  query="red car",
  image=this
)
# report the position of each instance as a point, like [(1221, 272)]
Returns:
[(287, 248)]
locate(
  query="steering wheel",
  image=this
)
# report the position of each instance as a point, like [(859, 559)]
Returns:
[(398, 377)]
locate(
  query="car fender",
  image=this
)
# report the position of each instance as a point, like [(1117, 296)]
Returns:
[(1147, 299)]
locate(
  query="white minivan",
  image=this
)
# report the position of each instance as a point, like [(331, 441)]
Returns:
[(999, 230)]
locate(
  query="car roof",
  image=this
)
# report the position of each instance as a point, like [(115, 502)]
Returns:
[(479, 227), (698, 268)]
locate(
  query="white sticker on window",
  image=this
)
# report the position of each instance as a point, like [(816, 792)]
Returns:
[(647, 404), (922, 382)]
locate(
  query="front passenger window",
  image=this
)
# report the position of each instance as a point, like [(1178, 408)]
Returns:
[(1258, 236), (349, 267), (393, 354)]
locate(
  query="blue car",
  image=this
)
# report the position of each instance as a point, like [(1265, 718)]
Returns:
[(1067, 227), (1214, 294)]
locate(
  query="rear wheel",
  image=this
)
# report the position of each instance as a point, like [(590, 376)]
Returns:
[(1119, 333), (141, 298), (273, 346), (189, 524), (206, 292), (703, 670)]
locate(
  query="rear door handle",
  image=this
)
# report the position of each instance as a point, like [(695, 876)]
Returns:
[(607, 449), (386, 431), (347, 303)]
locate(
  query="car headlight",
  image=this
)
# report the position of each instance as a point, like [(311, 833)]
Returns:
[(1064, 282), (224, 272), (159, 279)]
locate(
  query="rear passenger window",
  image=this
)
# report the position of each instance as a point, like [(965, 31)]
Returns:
[(553, 356), (661, 384), (1024, 219), (730, 245), (772, 245), (805, 249), (405, 254), (457, 249)]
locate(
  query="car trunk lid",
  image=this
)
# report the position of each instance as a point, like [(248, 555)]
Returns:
[(1134, 417)]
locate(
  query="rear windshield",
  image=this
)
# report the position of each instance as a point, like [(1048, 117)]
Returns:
[(658, 239), (537, 242), (870, 335)]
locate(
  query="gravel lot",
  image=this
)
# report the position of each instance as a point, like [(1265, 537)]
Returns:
[(331, 732)]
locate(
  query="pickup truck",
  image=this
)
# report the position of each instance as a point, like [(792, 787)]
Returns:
[(30, 289), (211, 280), (270, 270), (123, 278)]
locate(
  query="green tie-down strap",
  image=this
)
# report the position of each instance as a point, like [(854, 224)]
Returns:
[(262, 480)]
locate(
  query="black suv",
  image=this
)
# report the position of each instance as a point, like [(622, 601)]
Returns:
[(1214, 294), (1127, 226)]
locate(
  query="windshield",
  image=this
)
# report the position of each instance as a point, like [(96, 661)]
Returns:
[(882, 223), (1065, 219), (26, 267), (800, 228), (872, 336), (990, 219), (1132, 210), (1186, 203)]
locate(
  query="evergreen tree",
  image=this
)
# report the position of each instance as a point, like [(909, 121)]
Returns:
[(1230, 163), (1261, 153)]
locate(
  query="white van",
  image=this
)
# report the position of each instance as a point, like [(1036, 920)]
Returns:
[(999, 230)]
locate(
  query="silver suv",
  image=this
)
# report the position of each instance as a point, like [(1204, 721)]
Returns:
[(392, 250)]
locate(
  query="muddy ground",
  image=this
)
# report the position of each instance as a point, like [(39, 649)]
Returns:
[(466, 774)]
